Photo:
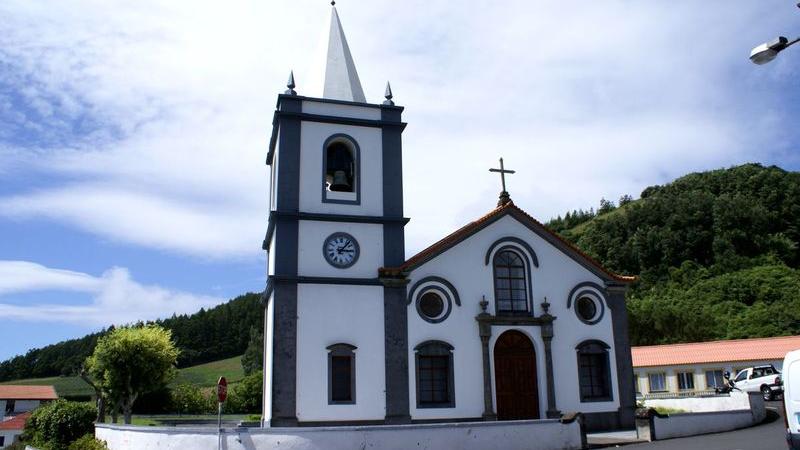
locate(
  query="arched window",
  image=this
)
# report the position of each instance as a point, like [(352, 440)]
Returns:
[(341, 374), (340, 170), (510, 283), (594, 371), (434, 367)]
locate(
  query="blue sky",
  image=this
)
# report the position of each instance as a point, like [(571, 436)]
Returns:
[(133, 134)]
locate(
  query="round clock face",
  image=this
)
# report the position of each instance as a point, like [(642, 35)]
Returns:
[(340, 250)]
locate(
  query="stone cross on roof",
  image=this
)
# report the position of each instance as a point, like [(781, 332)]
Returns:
[(504, 197)]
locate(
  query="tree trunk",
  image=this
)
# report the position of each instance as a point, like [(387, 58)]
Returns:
[(127, 408), (115, 411), (101, 400)]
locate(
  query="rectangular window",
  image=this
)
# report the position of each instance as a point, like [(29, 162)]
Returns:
[(341, 374), (686, 381), (10, 405), (340, 379), (433, 373), (714, 379), (2, 441), (658, 382), (593, 376)]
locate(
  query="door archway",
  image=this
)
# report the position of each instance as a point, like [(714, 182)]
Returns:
[(516, 384)]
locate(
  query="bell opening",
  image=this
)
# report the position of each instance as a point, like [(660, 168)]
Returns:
[(340, 168)]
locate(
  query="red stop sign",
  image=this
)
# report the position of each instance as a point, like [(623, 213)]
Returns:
[(222, 389)]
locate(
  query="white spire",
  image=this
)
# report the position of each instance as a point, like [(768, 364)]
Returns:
[(341, 78)]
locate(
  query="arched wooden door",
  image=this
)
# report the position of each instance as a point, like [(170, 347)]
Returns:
[(515, 377)]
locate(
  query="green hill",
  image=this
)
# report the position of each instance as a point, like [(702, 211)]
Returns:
[(208, 335), (716, 253), (202, 375)]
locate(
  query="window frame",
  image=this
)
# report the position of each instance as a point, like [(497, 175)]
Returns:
[(599, 349), (713, 373), (342, 350), (650, 382), (685, 376), (435, 349), (354, 147), (526, 281)]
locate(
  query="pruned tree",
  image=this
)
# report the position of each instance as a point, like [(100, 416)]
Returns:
[(131, 361)]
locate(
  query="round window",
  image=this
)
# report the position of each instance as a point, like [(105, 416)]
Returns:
[(586, 308), (431, 305)]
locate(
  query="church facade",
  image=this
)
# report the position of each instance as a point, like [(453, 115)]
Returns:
[(500, 320)]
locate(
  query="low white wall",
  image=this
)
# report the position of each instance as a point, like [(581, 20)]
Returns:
[(736, 401), (511, 435), (694, 423)]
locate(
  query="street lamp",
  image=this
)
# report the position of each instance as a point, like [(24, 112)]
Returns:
[(767, 51)]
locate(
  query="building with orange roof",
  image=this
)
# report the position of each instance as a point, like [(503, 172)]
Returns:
[(16, 404), (686, 369)]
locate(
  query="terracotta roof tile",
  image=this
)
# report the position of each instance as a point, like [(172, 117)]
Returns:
[(714, 352), (19, 392), (15, 423), (475, 226)]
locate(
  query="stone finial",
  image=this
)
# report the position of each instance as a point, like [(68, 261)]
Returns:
[(388, 95), (484, 304), (545, 306), (333, 2), (290, 84)]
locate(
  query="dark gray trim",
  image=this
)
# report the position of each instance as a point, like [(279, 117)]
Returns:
[(605, 348), (392, 164), (547, 332), (515, 320), (585, 284), (448, 304), (528, 282), (615, 297), (485, 333), (515, 240), (603, 421), (281, 97), (356, 158), (284, 356), (394, 252), (395, 326), (339, 120), (346, 236), (436, 348), (328, 280), (599, 304), (348, 350), (433, 279), (288, 185)]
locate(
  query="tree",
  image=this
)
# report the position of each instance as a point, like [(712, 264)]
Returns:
[(131, 361), (247, 395), (190, 399), (253, 358), (57, 424)]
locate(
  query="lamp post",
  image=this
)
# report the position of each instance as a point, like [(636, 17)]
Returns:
[(767, 51)]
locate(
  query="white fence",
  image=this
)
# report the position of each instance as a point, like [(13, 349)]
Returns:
[(510, 435)]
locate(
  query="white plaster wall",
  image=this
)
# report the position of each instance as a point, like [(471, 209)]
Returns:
[(337, 110), (9, 436), (273, 176), (312, 138), (269, 336), (271, 254), (311, 260), (516, 435), (557, 274), (331, 314), (21, 406), (679, 425)]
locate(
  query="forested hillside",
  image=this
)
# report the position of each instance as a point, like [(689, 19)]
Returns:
[(716, 252), (208, 335)]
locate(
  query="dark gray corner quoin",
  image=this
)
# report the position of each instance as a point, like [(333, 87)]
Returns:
[(394, 294), (284, 289), (615, 296)]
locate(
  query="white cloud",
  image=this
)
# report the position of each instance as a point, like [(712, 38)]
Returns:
[(584, 100), (115, 297)]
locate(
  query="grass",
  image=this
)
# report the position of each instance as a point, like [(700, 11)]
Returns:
[(65, 386), (206, 375), (173, 419), (203, 375)]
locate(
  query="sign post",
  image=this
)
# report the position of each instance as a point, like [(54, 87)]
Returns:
[(222, 394)]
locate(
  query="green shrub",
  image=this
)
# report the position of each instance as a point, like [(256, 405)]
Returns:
[(190, 399), (88, 442), (57, 424), (247, 395)]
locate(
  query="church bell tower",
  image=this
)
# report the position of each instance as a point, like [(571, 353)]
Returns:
[(335, 334)]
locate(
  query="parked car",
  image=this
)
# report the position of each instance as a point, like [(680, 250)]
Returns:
[(791, 398), (764, 379)]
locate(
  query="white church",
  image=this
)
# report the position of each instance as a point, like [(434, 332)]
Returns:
[(500, 320)]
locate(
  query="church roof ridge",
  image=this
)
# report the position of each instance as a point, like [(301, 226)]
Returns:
[(473, 227)]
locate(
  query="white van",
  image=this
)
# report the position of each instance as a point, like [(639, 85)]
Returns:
[(791, 398)]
